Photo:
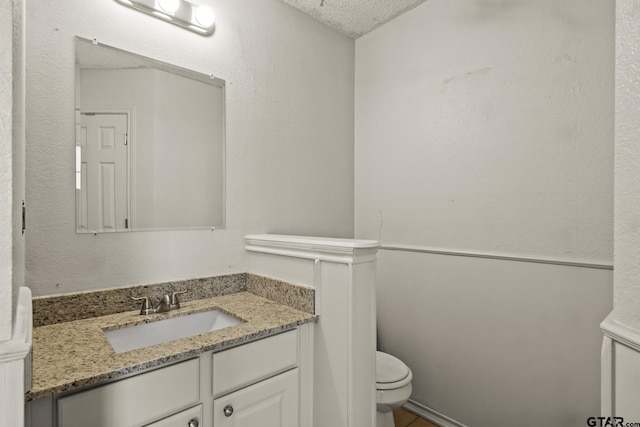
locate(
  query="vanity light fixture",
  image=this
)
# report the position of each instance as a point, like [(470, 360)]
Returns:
[(169, 6), (197, 18)]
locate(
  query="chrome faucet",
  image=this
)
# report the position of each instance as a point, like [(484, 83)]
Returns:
[(166, 303)]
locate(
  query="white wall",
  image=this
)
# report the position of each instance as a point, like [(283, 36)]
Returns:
[(627, 203), (11, 161), (129, 88), (486, 127), (6, 175), (289, 138), (18, 151), (621, 345), (13, 346), (189, 155), (492, 342)]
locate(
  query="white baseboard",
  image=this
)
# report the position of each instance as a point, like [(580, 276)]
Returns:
[(431, 415)]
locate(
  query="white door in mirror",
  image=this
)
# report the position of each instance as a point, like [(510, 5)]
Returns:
[(103, 169)]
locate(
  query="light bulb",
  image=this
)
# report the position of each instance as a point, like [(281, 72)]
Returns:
[(169, 6), (204, 16)]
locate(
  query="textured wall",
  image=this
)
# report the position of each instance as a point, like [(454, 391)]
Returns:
[(488, 126), (627, 184), (11, 160), (6, 176), (354, 17), (18, 152), (289, 138)]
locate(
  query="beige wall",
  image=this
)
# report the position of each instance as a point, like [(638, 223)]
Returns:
[(487, 127), (289, 138)]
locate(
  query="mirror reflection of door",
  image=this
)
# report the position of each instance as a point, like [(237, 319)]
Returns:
[(174, 165), (102, 186)]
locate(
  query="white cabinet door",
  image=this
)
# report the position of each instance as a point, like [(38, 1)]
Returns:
[(269, 403)]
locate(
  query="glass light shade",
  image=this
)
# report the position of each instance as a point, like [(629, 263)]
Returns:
[(168, 6), (204, 16), (195, 18)]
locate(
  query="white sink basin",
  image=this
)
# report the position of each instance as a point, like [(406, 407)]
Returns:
[(148, 334)]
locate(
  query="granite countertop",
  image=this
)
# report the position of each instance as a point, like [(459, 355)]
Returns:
[(73, 355)]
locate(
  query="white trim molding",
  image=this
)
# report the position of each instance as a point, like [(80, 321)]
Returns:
[(19, 345), (431, 414), (620, 370), (349, 251), (620, 332), (15, 364), (585, 263)]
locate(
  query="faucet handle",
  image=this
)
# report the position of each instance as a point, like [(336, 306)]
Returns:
[(146, 307), (174, 299)]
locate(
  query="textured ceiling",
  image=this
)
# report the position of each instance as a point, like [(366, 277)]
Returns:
[(354, 17)]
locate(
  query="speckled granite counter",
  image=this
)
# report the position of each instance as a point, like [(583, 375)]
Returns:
[(72, 355)]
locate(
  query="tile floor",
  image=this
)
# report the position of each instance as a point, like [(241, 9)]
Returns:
[(404, 418)]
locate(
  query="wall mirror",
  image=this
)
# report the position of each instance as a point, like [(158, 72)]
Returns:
[(150, 142)]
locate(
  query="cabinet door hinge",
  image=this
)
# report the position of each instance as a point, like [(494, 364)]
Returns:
[(24, 217)]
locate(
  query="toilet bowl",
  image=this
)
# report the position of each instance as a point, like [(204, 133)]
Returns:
[(393, 387)]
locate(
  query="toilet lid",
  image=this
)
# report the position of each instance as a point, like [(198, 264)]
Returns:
[(389, 369)]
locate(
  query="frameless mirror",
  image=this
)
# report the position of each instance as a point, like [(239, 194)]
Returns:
[(149, 143)]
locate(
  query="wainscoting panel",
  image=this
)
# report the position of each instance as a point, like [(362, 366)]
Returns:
[(495, 342)]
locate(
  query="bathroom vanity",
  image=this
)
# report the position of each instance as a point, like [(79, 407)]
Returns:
[(252, 384), (258, 372), (276, 368)]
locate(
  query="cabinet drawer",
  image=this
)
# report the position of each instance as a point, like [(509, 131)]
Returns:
[(250, 363), (134, 401), (181, 419)]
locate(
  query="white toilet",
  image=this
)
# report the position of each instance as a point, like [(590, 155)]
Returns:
[(393, 387)]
